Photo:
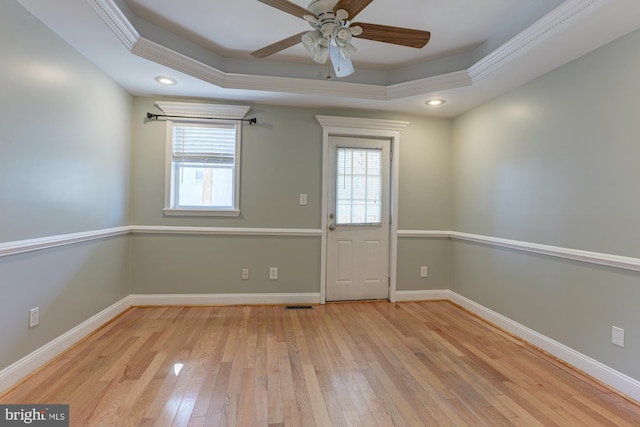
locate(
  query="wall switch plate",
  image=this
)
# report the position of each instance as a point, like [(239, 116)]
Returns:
[(423, 271), (245, 274), (34, 317), (303, 199), (273, 273), (617, 336)]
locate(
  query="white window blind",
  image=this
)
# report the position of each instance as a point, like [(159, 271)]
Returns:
[(359, 186), (197, 143), (204, 162)]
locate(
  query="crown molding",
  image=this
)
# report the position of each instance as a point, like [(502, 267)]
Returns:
[(452, 80), (116, 21), (155, 52), (556, 21), (565, 15)]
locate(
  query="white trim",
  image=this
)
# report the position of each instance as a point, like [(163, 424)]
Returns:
[(424, 295), (160, 54), (393, 199), (617, 261), (225, 299), (226, 231), (441, 82), (619, 381), (424, 233), (41, 243), (559, 19), (30, 245), (168, 165), (10, 375), (359, 127), (116, 21), (200, 212), (17, 371), (196, 112), (569, 14), (598, 258)]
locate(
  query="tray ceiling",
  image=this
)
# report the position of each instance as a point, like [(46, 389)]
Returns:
[(477, 50)]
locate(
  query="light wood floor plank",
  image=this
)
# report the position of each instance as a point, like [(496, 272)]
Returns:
[(348, 364)]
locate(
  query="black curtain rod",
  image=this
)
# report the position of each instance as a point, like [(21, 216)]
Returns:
[(152, 116)]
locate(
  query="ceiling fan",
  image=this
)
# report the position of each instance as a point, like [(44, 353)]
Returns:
[(333, 31)]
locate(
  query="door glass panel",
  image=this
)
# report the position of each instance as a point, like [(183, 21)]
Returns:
[(358, 186)]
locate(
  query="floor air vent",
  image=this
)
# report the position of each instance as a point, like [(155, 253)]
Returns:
[(298, 307)]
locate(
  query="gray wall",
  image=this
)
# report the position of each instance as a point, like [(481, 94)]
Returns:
[(65, 169), (556, 162), (281, 158)]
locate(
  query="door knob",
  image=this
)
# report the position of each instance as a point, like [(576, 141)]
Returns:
[(332, 227)]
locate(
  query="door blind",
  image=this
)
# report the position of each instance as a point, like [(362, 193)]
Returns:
[(358, 186)]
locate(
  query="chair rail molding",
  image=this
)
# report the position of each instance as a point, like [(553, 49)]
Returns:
[(40, 243)]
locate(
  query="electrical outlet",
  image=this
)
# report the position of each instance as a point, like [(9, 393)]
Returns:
[(273, 273), (245, 274), (617, 336), (34, 317), (423, 271), (303, 199)]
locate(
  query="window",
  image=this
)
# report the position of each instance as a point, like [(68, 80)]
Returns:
[(203, 167), (359, 186)]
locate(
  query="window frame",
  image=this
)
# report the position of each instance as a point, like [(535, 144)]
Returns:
[(170, 208), (201, 112)]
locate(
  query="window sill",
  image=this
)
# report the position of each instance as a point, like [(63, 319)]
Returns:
[(200, 212)]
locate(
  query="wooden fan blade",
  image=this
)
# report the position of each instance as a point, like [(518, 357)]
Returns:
[(354, 7), (394, 35), (278, 46), (287, 6)]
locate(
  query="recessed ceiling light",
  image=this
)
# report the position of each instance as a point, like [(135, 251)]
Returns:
[(165, 80), (435, 102)]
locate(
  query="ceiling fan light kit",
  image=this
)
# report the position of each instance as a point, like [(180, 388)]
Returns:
[(333, 31)]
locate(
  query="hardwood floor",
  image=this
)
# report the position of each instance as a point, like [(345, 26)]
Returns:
[(351, 364)]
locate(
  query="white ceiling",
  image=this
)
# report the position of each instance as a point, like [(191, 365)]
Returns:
[(478, 49)]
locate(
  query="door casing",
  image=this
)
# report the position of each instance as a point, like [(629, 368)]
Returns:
[(362, 271), (359, 127)]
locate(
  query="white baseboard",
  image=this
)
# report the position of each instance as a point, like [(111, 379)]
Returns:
[(225, 299), (25, 366), (617, 380), (12, 374)]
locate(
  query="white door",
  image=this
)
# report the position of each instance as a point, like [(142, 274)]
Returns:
[(358, 236)]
